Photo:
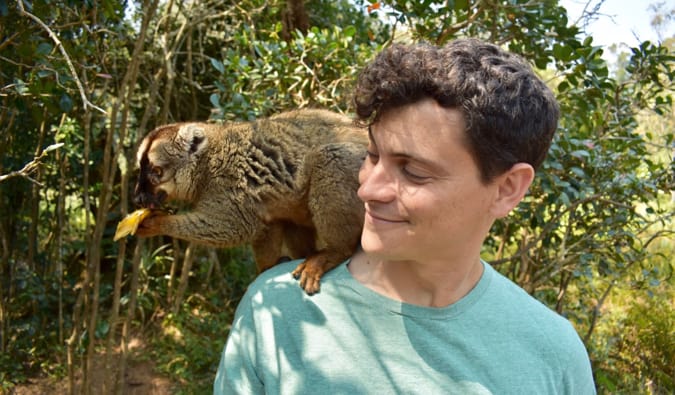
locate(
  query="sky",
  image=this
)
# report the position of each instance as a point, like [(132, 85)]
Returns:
[(621, 21)]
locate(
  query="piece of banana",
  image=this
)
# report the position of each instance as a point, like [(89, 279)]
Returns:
[(129, 224)]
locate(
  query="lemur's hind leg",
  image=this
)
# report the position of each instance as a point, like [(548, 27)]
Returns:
[(337, 212), (267, 246)]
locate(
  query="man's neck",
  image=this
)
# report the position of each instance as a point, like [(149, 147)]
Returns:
[(417, 283)]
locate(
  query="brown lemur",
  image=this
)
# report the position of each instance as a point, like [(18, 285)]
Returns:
[(286, 185)]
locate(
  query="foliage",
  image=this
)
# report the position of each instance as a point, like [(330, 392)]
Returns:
[(191, 343), (584, 241), (637, 343), (259, 73), (186, 344), (314, 70)]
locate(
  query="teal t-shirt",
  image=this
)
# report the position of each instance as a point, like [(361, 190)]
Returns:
[(348, 339)]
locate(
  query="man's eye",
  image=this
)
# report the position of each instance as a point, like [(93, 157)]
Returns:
[(413, 176), (372, 156)]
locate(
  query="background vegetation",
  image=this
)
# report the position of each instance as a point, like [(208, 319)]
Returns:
[(81, 82)]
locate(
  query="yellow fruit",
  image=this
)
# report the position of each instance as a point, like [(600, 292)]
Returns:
[(129, 224)]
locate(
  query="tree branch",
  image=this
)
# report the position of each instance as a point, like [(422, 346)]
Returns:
[(71, 67), (452, 29), (31, 166), (596, 312)]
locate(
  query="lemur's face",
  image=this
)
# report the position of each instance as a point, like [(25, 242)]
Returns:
[(166, 160)]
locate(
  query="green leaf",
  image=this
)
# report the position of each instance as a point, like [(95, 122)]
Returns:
[(218, 65), (564, 199), (562, 52), (44, 48), (102, 329), (580, 154), (578, 171), (20, 86), (66, 103), (215, 100)]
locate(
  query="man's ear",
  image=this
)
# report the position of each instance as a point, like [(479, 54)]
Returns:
[(511, 188)]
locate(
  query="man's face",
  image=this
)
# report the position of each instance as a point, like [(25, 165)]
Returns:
[(422, 189)]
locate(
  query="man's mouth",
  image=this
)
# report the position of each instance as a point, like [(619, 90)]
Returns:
[(381, 218)]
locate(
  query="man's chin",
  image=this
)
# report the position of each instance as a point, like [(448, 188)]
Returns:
[(375, 244)]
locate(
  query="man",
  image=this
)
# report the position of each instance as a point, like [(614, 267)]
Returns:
[(456, 133)]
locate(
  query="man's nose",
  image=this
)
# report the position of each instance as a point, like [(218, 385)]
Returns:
[(377, 183)]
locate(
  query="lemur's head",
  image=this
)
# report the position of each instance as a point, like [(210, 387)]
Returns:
[(167, 160)]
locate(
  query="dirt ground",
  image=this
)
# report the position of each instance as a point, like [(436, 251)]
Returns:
[(141, 378)]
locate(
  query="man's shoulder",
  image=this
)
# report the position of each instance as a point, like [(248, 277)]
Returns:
[(278, 282), (280, 271), (550, 336), (514, 299), (277, 278)]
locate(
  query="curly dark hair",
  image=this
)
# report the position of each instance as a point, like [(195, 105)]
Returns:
[(510, 113)]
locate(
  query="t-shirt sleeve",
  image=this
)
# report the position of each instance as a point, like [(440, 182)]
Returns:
[(577, 372), (237, 373)]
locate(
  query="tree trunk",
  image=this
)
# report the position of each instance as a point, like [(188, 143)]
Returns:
[(184, 277), (294, 17)]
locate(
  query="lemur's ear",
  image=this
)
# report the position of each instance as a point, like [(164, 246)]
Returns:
[(192, 138)]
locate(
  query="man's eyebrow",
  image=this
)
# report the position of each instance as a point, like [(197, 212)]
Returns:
[(416, 159)]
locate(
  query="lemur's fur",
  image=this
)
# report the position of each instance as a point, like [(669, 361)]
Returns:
[(285, 181)]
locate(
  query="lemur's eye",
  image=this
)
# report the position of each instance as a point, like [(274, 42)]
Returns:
[(157, 171), (155, 175)]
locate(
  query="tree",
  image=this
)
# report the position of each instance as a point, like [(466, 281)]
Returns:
[(586, 234)]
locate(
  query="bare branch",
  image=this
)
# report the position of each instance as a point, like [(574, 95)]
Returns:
[(452, 29), (596, 311), (31, 166)]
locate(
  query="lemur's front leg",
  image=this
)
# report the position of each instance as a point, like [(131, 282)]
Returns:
[(202, 227)]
